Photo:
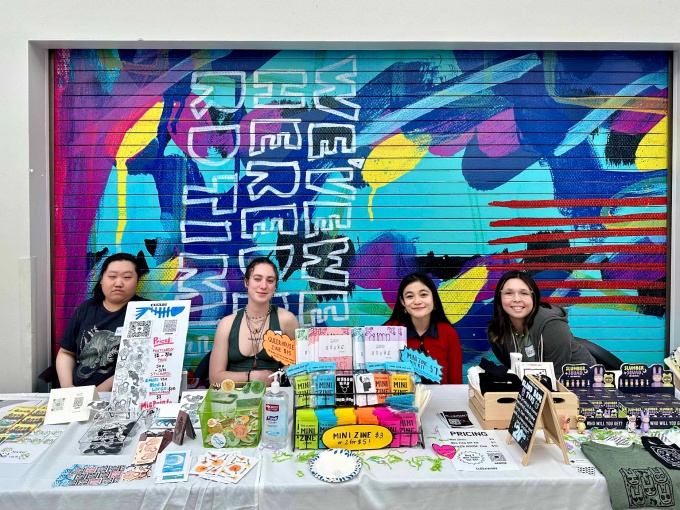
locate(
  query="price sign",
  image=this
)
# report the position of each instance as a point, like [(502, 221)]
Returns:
[(280, 347), (423, 365), (357, 437)]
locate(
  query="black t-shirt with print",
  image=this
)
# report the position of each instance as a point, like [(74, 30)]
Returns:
[(91, 334)]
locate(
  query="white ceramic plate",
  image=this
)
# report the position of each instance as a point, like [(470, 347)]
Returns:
[(334, 466)]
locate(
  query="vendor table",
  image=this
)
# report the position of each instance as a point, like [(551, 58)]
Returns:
[(397, 478)]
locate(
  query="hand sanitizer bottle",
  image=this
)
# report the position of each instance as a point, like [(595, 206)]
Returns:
[(275, 407)]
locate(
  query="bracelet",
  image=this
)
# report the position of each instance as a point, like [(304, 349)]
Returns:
[(248, 380)]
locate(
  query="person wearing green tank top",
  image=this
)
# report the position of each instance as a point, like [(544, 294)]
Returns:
[(237, 352)]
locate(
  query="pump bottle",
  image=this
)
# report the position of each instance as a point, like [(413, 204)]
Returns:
[(275, 408)]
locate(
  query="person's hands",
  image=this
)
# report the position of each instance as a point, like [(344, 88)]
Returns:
[(261, 375)]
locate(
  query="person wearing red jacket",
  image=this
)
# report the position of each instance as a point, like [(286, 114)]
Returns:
[(428, 330)]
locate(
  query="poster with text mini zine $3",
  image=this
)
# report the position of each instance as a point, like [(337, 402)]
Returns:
[(151, 354)]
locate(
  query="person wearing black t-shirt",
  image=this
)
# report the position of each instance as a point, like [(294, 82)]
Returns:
[(89, 345)]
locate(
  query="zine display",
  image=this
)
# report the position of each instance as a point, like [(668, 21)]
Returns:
[(151, 354), (332, 344), (350, 348), (383, 343)]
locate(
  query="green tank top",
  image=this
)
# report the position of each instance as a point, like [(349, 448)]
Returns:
[(240, 363)]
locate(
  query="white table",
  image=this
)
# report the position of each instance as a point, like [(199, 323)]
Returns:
[(547, 482)]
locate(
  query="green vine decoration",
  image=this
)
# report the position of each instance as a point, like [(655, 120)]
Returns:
[(281, 456), (305, 457), (300, 473), (419, 461), (387, 460)]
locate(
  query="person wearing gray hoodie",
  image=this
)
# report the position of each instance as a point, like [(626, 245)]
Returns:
[(539, 331)]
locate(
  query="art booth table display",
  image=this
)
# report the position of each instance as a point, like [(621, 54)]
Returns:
[(388, 478)]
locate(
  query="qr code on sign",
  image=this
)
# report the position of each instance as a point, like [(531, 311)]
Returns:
[(496, 456), (58, 404), (139, 329), (78, 402), (170, 326)]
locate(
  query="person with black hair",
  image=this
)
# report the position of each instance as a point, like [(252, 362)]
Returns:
[(522, 323), (89, 346), (237, 352), (428, 330)]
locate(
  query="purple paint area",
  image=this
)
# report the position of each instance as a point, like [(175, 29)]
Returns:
[(382, 263), (497, 136), (638, 259), (633, 123)]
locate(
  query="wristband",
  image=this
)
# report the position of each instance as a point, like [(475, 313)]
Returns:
[(248, 380)]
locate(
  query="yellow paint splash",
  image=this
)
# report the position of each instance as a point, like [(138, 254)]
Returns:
[(390, 160), (459, 294), (161, 281), (134, 141), (652, 153)]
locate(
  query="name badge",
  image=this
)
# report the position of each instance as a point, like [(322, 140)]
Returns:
[(529, 350)]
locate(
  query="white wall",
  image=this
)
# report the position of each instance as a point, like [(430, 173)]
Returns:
[(29, 28)]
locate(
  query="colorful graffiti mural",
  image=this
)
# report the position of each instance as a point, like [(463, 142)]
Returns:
[(352, 169)]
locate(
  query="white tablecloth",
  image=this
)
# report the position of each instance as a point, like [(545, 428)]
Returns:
[(546, 483), (398, 478)]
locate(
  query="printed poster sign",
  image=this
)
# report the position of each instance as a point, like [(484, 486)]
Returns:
[(477, 450), (151, 354)]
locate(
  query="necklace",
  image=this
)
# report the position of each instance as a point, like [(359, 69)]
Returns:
[(256, 332)]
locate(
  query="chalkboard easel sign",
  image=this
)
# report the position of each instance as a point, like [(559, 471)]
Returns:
[(534, 402)]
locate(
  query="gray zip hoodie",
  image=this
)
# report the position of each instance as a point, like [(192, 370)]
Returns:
[(552, 339)]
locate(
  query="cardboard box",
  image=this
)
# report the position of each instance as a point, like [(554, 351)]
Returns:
[(494, 409)]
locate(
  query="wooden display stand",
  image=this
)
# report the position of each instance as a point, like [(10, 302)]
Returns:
[(494, 409), (535, 402)]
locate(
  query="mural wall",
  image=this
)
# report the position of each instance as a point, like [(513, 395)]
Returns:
[(352, 169)]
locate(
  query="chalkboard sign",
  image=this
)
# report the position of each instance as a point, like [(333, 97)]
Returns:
[(534, 401), (528, 408)]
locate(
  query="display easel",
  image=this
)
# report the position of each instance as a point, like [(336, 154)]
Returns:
[(535, 402)]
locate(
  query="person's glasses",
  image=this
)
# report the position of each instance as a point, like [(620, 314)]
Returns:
[(522, 294)]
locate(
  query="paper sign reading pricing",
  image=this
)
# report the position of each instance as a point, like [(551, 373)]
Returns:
[(357, 437), (280, 347)]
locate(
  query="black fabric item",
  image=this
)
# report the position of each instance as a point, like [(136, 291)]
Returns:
[(668, 455), (488, 382), (495, 371)]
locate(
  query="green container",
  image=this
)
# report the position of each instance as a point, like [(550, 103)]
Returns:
[(231, 420)]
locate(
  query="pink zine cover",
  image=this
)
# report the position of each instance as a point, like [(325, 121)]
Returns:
[(332, 344)]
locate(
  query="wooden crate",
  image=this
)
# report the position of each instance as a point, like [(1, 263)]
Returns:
[(494, 413)]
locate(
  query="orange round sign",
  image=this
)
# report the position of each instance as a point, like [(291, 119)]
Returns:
[(280, 347)]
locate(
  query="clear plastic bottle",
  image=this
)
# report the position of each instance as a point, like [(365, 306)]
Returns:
[(275, 420)]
